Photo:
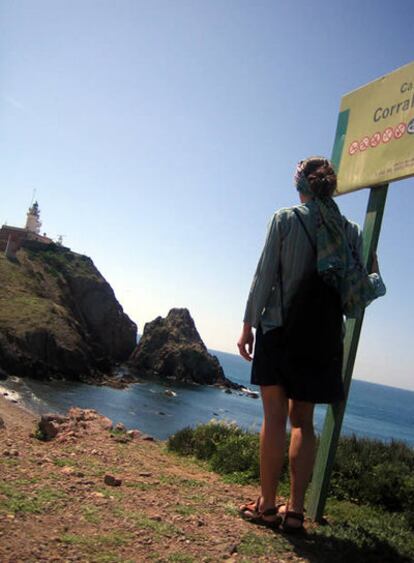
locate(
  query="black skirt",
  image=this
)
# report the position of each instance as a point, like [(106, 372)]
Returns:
[(308, 380)]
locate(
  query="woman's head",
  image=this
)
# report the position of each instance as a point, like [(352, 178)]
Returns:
[(315, 177)]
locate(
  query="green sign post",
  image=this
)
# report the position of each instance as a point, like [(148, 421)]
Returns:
[(335, 413), (374, 145)]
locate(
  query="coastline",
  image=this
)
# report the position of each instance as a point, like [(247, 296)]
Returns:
[(98, 493)]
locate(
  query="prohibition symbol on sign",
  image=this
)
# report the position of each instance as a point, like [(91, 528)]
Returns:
[(375, 140), (364, 144), (387, 134), (353, 147), (400, 130)]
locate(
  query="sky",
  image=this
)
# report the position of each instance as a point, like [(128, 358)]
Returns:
[(161, 135)]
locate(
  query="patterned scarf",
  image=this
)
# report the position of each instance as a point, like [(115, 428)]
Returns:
[(337, 263)]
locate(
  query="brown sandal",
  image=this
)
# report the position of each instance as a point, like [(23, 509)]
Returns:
[(289, 529), (256, 516)]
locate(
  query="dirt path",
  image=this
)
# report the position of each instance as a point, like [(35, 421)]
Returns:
[(55, 506)]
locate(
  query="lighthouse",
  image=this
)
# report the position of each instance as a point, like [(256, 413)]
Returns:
[(33, 222)]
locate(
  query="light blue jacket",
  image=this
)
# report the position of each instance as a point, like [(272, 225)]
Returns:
[(287, 243)]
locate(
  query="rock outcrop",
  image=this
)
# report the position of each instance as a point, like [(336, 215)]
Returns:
[(75, 423), (172, 348), (59, 318)]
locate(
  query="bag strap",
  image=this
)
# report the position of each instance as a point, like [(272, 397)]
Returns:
[(282, 308), (296, 212)]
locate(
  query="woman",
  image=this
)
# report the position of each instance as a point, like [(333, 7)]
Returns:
[(301, 239)]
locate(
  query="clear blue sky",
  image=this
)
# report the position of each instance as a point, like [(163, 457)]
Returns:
[(161, 135)]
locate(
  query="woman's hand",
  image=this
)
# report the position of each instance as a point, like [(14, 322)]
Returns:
[(374, 266), (245, 343)]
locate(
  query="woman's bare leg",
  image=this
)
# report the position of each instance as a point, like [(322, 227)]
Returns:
[(272, 442), (301, 452)]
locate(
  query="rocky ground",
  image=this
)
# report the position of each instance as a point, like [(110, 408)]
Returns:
[(96, 494)]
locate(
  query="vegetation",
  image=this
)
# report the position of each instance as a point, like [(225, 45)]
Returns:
[(28, 290), (14, 499), (371, 500)]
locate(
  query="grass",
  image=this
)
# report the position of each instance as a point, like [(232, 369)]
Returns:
[(158, 528), (64, 462), (28, 290), (98, 547), (180, 481), (114, 539), (362, 534), (180, 558), (185, 510), (371, 502), (255, 545), (109, 492), (36, 502), (141, 486), (91, 514)]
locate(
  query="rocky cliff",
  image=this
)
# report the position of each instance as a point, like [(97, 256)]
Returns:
[(171, 347), (59, 317)]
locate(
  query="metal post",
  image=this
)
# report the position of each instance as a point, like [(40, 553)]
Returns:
[(333, 421)]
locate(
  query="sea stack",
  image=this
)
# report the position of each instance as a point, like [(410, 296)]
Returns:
[(172, 347)]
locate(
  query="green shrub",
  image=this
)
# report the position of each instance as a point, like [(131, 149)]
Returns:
[(182, 442), (370, 471), (207, 437), (365, 471), (237, 453)]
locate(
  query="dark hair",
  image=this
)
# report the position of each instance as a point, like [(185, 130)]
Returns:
[(320, 175)]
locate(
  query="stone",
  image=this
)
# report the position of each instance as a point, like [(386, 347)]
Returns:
[(148, 438), (105, 423), (134, 434), (48, 428), (119, 427), (121, 439), (145, 474), (68, 428), (2, 423), (112, 481)]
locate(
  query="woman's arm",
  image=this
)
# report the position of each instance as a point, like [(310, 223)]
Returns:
[(264, 279), (375, 275), (265, 275)]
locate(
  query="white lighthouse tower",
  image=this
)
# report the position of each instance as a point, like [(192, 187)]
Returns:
[(33, 222)]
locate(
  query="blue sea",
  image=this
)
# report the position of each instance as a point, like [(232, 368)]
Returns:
[(374, 411)]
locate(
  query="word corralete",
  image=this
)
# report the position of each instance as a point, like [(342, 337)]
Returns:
[(383, 113)]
